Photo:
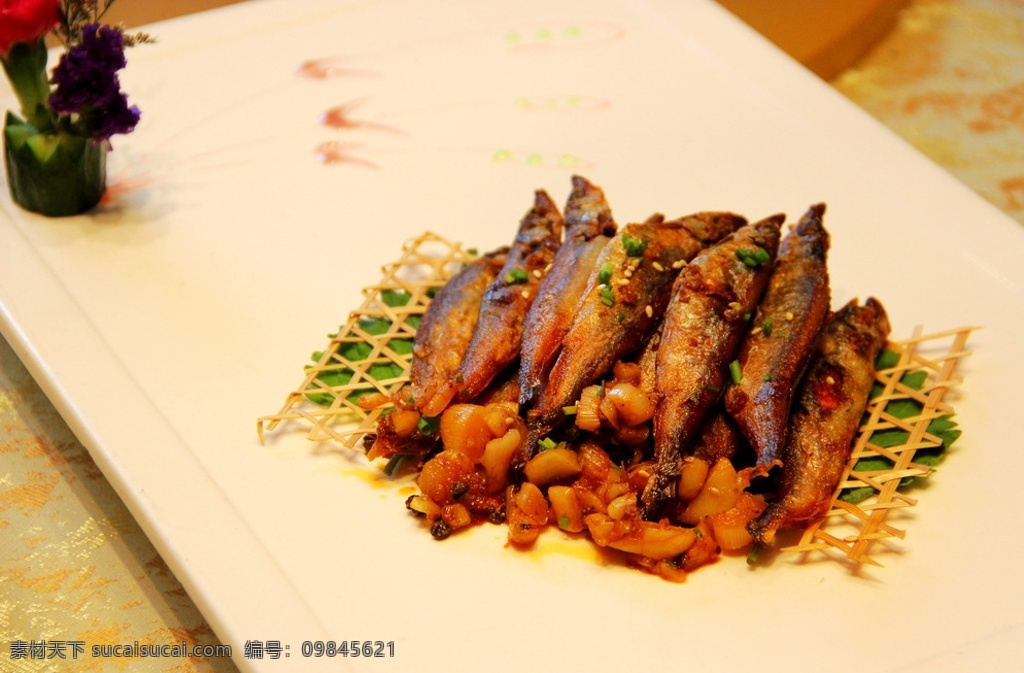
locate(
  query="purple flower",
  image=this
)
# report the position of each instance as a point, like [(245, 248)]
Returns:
[(118, 118), (88, 85)]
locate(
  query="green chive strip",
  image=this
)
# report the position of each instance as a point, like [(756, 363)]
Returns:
[(394, 463), (634, 246), (753, 258), (735, 373), (516, 276), (428, 425)]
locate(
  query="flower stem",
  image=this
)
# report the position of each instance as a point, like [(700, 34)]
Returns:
[(25, 65)]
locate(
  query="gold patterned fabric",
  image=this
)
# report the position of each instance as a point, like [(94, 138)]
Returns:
[(949, 79), (76, 567)]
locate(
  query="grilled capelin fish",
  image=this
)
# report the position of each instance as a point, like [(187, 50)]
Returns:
[(648, 359), (701, 333), (588, 228), (446, 330), (775, 352), (718, 437), (825, 417), (625, 297), (503, 388), (498, 335)]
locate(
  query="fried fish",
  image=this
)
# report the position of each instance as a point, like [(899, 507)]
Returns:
[(775, 352), (498, 335), (626, 294), (446, 329), (704, 322), (826, 414), (588, 228)]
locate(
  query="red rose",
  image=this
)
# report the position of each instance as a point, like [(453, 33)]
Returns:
[(25, 21)]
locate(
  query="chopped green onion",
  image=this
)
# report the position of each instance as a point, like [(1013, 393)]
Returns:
[(473, 251), (766, 378), (746, 316), (607, 296), (713, 388), (428, 425), (393, 464), (547, 443), (620, 317), (604, 276), (569, 411), (516, 276), (753, 258), (735, 373), (634, 246), (766, 328), (563, 522)]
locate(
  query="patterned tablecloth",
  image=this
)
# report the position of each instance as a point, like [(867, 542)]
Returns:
[(76, 568), (949, 79)]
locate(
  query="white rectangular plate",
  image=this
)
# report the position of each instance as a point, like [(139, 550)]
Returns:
[(288, 148)]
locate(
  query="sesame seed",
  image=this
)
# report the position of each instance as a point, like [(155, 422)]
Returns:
[(622, 281), (755, 331), (548, 267), (679, 263), (537, 273), (525, 294), (627, 273), (789, 315), (649, 311), (735, 305), (657, 266), (829, 380)]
